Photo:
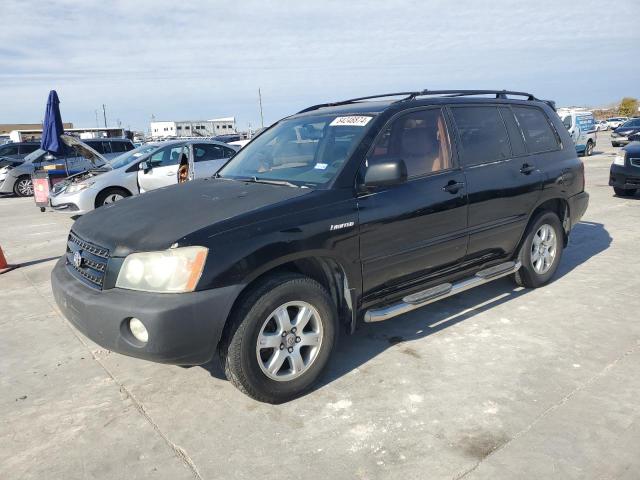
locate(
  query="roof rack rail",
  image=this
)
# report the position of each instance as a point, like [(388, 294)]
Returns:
[(423, 93)]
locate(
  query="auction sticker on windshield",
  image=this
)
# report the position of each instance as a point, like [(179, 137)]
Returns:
[(350, 121)]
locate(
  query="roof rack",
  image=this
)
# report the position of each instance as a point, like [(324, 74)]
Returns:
[(423, 93)]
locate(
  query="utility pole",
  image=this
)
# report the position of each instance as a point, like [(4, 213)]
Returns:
[(97, 123), (104, 114), (261, 115)]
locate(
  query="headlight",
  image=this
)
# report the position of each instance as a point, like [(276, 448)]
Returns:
[(78, 187), (5, 169), (171, 271), (619, 158)]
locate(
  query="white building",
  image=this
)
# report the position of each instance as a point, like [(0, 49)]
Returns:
[(193, 128)]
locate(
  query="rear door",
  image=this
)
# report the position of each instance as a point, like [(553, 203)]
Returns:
[(163, 168), (208, 158), (503, 181), (411, 230)]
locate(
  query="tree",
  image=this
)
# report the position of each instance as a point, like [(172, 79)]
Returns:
[(628, 107)]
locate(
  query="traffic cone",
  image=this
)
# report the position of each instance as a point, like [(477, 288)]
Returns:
[(4, 266)]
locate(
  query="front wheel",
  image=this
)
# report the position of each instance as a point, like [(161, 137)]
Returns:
[(541, 251), (111, 195), (280, 338), (625, 192), (589, 150), (23, 186)]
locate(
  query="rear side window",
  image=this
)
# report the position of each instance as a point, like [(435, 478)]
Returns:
[(537, 131), (482, 133), (207, 151), (515, 134)]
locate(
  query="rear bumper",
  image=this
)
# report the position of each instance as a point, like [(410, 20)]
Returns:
[(624, 176), (184, 329), (578, 206)]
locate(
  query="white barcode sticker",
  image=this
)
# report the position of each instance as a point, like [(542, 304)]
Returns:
[(350, 121)]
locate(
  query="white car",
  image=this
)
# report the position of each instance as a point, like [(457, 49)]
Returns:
[(615, 122), (146, 168), (602, 126)]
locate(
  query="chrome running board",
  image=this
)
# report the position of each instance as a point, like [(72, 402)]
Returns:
[(425, 297)]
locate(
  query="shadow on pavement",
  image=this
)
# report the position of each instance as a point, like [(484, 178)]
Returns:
[(586, 241)]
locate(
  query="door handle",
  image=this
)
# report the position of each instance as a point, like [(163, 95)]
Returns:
[(527, 169), (453, 186)]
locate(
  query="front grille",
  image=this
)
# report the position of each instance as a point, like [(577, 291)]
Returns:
[(93, 265)]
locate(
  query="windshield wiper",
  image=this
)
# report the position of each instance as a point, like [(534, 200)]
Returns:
[(255, 179)]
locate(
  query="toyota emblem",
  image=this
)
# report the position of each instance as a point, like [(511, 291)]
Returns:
[(77, 259)]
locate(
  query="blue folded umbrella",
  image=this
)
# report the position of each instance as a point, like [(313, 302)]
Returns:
[(52, 128)]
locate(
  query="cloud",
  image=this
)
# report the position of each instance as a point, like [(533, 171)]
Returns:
[(206, 59)]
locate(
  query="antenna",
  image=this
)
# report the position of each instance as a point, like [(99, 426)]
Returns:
[(261, 115)]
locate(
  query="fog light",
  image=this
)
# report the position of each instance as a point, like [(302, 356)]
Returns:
[(138, 330)]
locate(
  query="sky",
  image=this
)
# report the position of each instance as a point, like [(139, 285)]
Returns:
[(207, 59)]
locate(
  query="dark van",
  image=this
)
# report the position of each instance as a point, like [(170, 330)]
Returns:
[(346, 212)]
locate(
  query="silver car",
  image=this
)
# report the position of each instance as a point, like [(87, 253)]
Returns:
[(15, 177), (146, 168)]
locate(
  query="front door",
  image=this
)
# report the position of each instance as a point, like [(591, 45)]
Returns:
[(163, 168), (410, 231)]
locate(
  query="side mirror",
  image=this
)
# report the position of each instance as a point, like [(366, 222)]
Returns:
[(390, 172), (144, 166)]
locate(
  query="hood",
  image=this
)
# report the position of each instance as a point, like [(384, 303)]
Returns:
[(157, 219), (83, 149)]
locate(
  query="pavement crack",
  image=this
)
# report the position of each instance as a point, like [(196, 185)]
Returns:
[(631, 350), (180, 452)]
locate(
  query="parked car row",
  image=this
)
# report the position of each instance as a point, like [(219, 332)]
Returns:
[(16, 177), (625, 133), (148, 167)]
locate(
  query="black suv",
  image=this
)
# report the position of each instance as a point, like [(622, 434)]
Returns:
[(345, 212)]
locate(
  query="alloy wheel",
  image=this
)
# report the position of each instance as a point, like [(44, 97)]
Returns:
[(112, 198), (543, 249), (289, 341), (25, 187)]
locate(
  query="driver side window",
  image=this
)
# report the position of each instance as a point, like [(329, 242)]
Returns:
[(420, 139), (166, 157)]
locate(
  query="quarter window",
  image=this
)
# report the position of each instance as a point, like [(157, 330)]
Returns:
[(420, 139), (536, 128), (482, 134)]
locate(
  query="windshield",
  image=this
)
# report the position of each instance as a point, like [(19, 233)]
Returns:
[(131, 156), (307, 151)]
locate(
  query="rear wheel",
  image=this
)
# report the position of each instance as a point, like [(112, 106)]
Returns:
[(541, 251), (280, 338), (23, 186), (625, 192), (111, 195)]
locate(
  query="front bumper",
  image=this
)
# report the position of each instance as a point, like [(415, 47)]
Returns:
[(6, 186), (184, 328), (619, 140), (76, 203), (624, 176)]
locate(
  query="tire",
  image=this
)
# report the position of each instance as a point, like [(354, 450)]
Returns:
[(23, 186), (111, 195), (588, 151), (530, 275), (257, 318), (625, 192)]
